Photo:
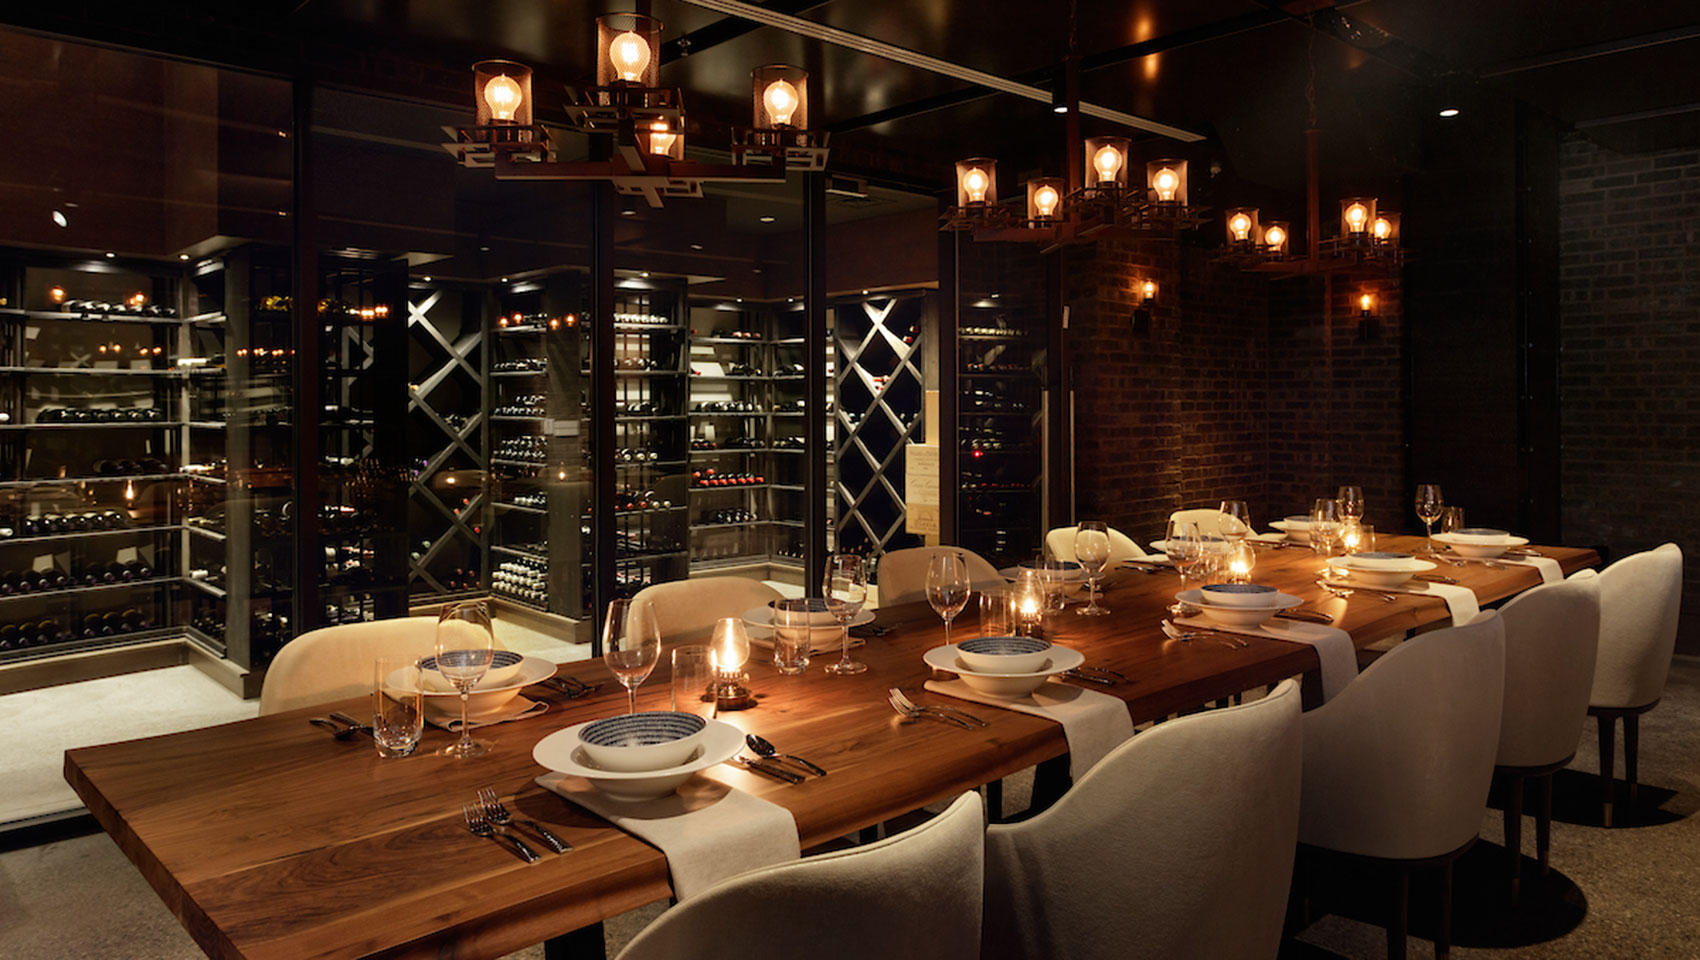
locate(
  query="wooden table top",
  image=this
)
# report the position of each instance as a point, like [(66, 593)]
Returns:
[(268, 839)]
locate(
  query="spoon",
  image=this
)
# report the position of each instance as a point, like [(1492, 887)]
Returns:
[(765, 749)]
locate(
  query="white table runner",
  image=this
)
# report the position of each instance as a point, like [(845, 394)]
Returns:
[(1551, 572), (1093, 723), (707, 830), (1334, 647)]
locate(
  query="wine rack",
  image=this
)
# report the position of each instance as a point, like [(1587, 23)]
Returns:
[(880, 392), (1000, 426), (652, 501), (447, 433)]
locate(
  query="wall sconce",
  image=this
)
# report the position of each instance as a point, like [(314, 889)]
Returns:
[(1384, 229), (781, 96), (1106, 163), (664, 141), (976, 182), (1366, 304), (1356, 216), (1044, 199), (501, 95), (728, 650), (1148, 291), (1276, 238), (626, 49), (1243, 228), (1167, 181)]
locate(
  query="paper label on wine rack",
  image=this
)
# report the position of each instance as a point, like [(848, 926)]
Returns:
[(921, 489)]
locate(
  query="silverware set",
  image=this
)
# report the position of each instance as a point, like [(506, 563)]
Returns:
[(1098, 675), (914, 711), (342, 726), (1344, 592), (1222, 637), (487, 816), (767, 751), (573, 687), (768, 767), (479, 826)]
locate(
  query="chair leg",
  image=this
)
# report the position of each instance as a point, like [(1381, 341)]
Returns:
[(1543, 820), (994, 801), (1443, 931), (1399, 924), (1608, 741), (1631, 758), (1514, 832)]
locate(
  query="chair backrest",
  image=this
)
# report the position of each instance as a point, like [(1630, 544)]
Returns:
[(1552, 635), (687, 609), (335, 663), (1398, 764), (903, 573), (917, 894), (1640, 600), (1173, 831), (1209, 520), (1059, 545)]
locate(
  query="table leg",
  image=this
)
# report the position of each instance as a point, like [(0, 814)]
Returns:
[(1050, 781), (994, 801), (585, 943)]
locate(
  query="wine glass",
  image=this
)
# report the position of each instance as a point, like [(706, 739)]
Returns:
[(947, 587), (1326, 522), (1351, 502), (1184, 546), (1235, 522), (845, 589), (1092, 552), (1429, 504), (466, 644), (631, 645)]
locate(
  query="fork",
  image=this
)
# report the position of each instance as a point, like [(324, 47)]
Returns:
[(478, 826), (337, 730), (353, 724), (917, 713), (573, 687), (898, 695), (1344, 592), (497, 813)]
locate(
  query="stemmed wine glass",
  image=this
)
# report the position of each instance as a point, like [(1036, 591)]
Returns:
[(631, 645), (1351, 503), (1184, 546), (947, 587), (1235, 522), (845, 589), (466, 645), (1326, 523), (1092, 552), (1429, 505)]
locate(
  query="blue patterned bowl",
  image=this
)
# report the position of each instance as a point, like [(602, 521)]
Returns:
[(642, 741), (1004, 654)]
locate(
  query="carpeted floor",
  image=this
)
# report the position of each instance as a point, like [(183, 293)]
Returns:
[(1627, 892)]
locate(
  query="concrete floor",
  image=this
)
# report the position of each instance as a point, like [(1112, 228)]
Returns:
[(1625, 892)]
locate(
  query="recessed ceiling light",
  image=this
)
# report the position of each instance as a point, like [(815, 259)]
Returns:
[(864, 293), (504, 279), (646, 274), (628, 213), (1449, 112), (59, 218), (484, 249), (426, 279), (768, 219), (110, 255), (182, 256), (996, 295), (696, 246)]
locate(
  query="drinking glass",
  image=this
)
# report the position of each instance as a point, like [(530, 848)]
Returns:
[(398, 705), (997, 613), (693, 676), (631, 645), (793, 635), (1325, 524), (1429, 504), (845, 589), (466, 643), (1184, 546), (1351, 503), (1235, 522), (1451, 518), (947, 587), (1092, 552)]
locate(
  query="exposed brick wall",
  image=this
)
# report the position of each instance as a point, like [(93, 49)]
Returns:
[(1629, 365)]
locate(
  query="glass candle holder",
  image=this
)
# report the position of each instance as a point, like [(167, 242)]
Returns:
[(729, 649), (1028, 599), (1242, 559), (1357, 537)]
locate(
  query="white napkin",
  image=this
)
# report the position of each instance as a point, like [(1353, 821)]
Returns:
[(519, 708), (707, 830), (1334, 647), (1551, 572), (1093, 723), (1460, 600)]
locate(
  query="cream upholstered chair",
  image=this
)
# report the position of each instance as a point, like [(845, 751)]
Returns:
[(335, 663), (1640, 600), (1209, 520), (1397, 766), (902, 574), (1059, 545), (917, 894), (687, 609), (1142, 857), (1552, 634)]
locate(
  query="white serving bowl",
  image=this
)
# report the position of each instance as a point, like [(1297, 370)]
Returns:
[(1004, 654), (1229, 616), (1238, 594), (1380, 560), (638, 742), (1379, 576), (1478, 550), (1004, 686), (562, 752), (1297, 529), (487, 699), (818, 620), (1478, 535)]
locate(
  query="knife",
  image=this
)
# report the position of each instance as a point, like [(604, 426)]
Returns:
[(1308, 616), (773, 770)]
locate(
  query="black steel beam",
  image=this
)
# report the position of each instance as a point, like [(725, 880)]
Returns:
[(728, 28), (309, 563), (604, 205), (815, 377)]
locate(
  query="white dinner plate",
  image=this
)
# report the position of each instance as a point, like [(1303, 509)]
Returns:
[(562, 752), (1004, 686), (1215, 544), (1275, 537), (1477, 548), (1295, 532), (1378, 576), (1073, 575), (484, 703), (763, 617), (821, 639), (1238, 616)]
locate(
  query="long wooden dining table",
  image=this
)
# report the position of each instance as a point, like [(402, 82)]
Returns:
[(269, 839)]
